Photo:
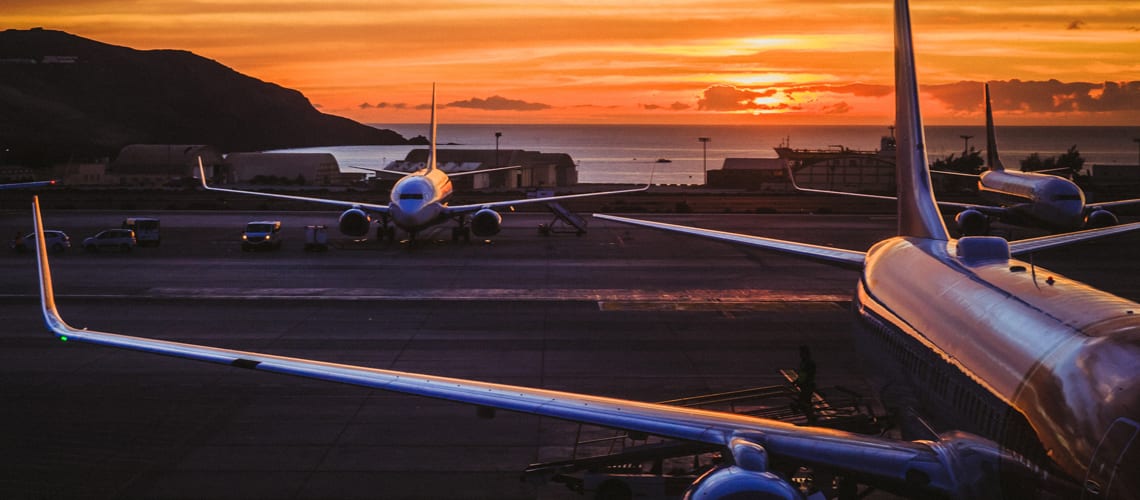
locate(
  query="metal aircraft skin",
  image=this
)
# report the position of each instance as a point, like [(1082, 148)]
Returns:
[(27, 185), (420, 200), (1054, 365)]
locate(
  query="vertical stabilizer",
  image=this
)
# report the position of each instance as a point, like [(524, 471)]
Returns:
[(918, 212), (431, 154), (992, 159)]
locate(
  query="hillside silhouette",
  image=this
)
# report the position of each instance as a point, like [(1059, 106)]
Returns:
[(65, 96)]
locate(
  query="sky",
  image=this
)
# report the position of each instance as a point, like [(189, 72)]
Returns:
[(666, 61)]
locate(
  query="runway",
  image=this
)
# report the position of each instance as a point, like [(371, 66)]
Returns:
[(621, 311)]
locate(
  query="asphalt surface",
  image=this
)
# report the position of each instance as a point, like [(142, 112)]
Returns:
[(620, 311)]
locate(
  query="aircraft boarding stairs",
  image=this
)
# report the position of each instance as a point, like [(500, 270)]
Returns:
[(564, 221), (602, 457)]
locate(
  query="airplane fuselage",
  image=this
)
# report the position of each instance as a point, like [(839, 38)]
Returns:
[(1044, 365), (1042, 200), (418, 200)]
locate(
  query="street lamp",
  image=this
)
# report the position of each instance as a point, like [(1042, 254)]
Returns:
[(705, 156), (497, 136), (966, 146)]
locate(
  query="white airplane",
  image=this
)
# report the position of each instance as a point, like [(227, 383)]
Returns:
[(1043, 377), (27, 185), (1030, 198), (420, 200), (1033, 199)]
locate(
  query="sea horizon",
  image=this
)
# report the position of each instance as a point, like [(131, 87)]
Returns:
[(629, 154)]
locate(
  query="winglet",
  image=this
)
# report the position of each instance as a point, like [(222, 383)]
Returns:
[(47, 293), (431, 156), (992, 159), (202, 173), (918, 212)]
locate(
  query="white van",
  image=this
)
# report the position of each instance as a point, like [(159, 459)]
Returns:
[(146, 230)]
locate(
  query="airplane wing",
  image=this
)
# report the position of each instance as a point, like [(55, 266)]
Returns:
[(959, 174), (921, 466), (986, 209), (484, 170), (837, 256), (450, 174), (370, 207), (1113, 204), (462, 209), (385, 171), (27, 185), (1031, 245)]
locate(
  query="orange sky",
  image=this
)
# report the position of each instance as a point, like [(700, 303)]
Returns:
[(665, 61)]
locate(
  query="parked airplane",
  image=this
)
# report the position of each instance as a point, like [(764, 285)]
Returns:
[(1034, 199), (1042, 375), (27, 185), (1030, 198), (419, 200)]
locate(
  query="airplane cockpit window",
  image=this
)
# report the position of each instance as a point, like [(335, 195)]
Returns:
[(411, 196)]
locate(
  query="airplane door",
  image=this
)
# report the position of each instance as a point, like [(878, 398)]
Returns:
[(1117, 453)]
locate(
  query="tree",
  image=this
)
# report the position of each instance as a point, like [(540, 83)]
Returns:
[(1069, 164)]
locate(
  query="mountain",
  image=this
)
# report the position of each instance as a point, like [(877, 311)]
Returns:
[(63, 95)]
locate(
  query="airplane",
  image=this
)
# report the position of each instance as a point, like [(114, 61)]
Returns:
[(28, 185), (420, 200), (1033, 199), (1040, 375)]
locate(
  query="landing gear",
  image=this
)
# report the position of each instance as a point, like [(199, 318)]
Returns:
[(385, 230), (461, 232)]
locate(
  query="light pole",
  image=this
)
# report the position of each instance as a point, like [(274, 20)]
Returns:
[(705, 157), (966, 146), (497, 136)]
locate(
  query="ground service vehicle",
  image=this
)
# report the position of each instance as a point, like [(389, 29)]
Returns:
[(146, 230), (261, 235)]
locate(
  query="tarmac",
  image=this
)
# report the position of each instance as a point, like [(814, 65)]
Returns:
[(620, 311)]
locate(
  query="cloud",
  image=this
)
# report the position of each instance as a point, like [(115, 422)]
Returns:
[(730, 98), (499, 103), (383, 105), (1051, 96), (676, 106)]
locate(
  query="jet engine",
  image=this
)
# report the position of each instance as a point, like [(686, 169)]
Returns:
[(486, 222), (972, 222), (1100, 218), (354, 222), (747, 478)]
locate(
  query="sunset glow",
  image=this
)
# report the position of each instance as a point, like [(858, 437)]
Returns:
[(667, 61)]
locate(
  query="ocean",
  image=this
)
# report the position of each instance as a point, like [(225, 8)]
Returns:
[(629, 153)]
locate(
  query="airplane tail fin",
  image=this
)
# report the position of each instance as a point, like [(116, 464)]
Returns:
[(918, 211), (992, 159), (431, 154)]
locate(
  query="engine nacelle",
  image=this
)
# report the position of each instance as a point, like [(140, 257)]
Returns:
[(972, 222), (486, 222), (1100, 218), (736, 482), (354, 222), (748, 477)]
